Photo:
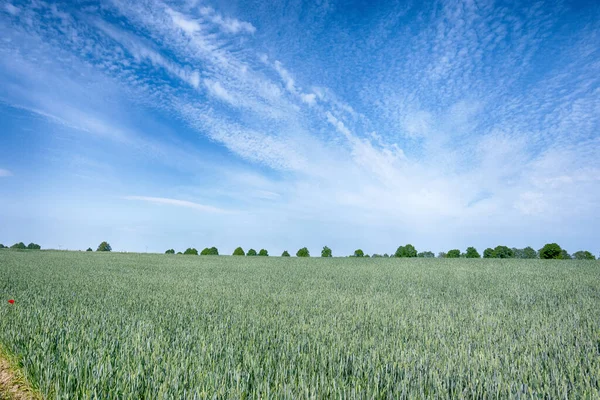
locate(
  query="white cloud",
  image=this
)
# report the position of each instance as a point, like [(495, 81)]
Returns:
[(178, 203), (12, 9), (5, 172), (228, 25)]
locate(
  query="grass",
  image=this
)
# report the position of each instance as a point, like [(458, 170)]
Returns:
[(91, 325)]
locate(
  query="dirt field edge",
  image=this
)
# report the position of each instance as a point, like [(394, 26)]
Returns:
[(13, 384)]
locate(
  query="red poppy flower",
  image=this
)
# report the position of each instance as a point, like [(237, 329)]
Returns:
[(11, 301)]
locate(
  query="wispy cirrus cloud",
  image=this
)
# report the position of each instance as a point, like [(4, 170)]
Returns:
[(5, 172), (178, 203)]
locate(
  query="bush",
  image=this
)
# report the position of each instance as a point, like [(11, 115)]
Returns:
[(386, 255), (406, 251), (454, 253), (179, 253), (19, 246), (263, 253), (583, 255), (326, 252), (34, 246), (104, 246), (239, 252), (303, 252), (285, 254), (190, 251), (358, 253), (170, 251), (213, 251), (426, 254), (89, 249), (551, 251), (472, 253), (251, 252), (488, 253)]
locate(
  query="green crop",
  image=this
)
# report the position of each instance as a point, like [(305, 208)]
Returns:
[(132, 326)]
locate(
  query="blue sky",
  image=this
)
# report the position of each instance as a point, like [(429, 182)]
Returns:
[(283, 124)]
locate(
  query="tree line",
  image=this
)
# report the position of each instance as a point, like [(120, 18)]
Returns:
[(550, 251)]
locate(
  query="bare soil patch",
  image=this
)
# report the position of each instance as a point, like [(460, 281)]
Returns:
[(13, 385)]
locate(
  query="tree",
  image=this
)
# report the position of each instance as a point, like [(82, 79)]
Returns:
[(34, 246), (472, 253), (104, 246), (251, 252), (386, 255), (326, 252), (376, 255), (89, 249), (170, 251), (406, 251), (565, 255), (178, 253), (239, 252), (551, 251), (442, 254), (303, 252), (529, 252), (358, 253), (19, 246), (285, 254), (190, 251), (583, 255), (454, 253), (426, 254), (503, 252), (263, 253), (488, 253), (213, 251), (1, 246)]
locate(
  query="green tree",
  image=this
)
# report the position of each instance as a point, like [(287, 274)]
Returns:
[(104, 246), (1, 246), (358, 253), (386, 255), (179, 253), (326, 252), (442, 254), (376, 256), (213, 251), (190, 251), (170, 251), (583, 255), (89, 249), (239, 252), (406, 251), (488, 253), (19, 246), (34, 246), (454, 253), (285, 254), (251, 252), (303, 252), (472, 253), (426, 254), (551, 251), (263, 253), (205, 251), (503, 252), (565, 255), (529, 252)]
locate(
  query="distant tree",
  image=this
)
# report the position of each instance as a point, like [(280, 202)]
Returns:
[(488, 253), (406, 251), (358, 253), (472, 253), (583, 255), (454, 253), (251, 252), (34, 246), (565, 255), (503, 252), (1, 246), (386, 255), (367, 256), (263, 253), (213, 251), (170, 251), (551, 251), (285, 254), (529, 252), (190, 251), (376, 256), (239, 252), (89, 249), (104, 246), (426, 254), (442, 254), (326, 252), (303, 252), (19, 246), (204, 251), (179, 253)]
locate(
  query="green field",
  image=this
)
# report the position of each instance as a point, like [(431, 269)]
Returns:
[(131, 326)]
